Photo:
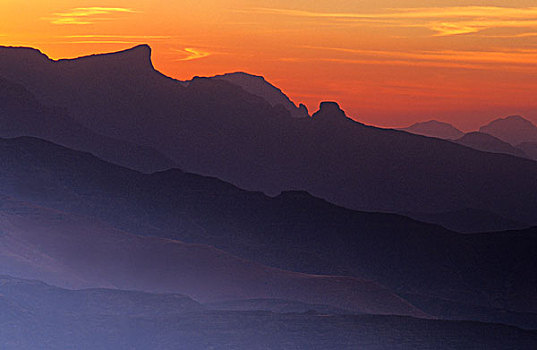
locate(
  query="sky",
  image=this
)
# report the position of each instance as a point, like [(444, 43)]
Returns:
[(387, 62)]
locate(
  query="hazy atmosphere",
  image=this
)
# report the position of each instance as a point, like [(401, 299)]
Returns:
[(268, 175)]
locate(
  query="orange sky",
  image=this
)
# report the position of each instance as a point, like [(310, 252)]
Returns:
[(388, 62)]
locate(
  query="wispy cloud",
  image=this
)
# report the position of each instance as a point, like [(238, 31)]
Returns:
[(108, 36), (111, 39), (86, 15), (443, 21), (98, 42), (514, 35), (516, 60), (193, 54), (514, 56)]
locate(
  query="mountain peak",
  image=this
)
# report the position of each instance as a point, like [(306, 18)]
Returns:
[(513, 129), (516, 118), (242, 75), (17, 55), (135, 57), (329, 110), (257, 85), (435, 128)]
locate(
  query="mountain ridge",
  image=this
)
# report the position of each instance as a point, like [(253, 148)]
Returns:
[(207, 128), (434, 128), (259, 86)]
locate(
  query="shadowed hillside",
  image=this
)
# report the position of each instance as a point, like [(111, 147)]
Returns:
[(293, 231)]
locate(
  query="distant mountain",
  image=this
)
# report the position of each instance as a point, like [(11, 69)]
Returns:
[(80, 252), (529, 148), (488, 143), (293, 231), (434, 128), (34, 315), (216, 128), (514, 130), (21, 114), (257, 85)]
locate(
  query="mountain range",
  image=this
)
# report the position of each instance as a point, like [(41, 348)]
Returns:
[(78, 252), (293, 231), (139, 211), (511, 135), (216, 128)]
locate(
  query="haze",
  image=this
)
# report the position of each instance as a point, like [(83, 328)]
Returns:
[(388, 63)]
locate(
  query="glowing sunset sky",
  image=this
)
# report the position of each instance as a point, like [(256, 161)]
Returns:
[(388, 62)]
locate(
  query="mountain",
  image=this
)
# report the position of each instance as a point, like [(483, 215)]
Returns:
[(35, 315), (215, 128), (257, 85), (81, 252), (513, 129), (22, 115), (488, 143), (434, 128), (293, 231), (529, 148), (469, 221)]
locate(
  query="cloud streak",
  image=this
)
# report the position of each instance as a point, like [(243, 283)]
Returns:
[(107, 36), (87, 15), (193, 54), (521, 60), (442, 21)]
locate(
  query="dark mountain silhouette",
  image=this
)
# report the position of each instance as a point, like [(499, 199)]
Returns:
[(34, 315), (22, 115), (80, 252), (488, 143), (257, 85), (513, 129), (434, 128), (469, 221), (529, 148), (216, 128), (293, 231)]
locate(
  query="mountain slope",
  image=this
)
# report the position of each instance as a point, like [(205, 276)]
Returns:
[(257, 85), (529, 148), (293, 231), (80, 252), (434, 128), (488, 143), (22, 115), (215, 128), (469, 221)]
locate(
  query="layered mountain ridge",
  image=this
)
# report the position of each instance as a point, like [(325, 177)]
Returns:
[(293, 231), (213, 127)]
